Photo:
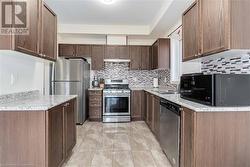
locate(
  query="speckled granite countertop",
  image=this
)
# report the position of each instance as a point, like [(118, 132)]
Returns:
[(175, 98), (34, 102)]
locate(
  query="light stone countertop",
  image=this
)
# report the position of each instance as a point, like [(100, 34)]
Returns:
[(36, 103), (175, 98)]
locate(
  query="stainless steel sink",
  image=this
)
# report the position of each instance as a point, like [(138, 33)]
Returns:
[(164, 91)]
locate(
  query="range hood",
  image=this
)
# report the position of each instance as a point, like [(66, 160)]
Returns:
[(117, 60)]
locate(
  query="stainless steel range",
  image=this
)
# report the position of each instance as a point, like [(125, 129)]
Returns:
[(116, 101)]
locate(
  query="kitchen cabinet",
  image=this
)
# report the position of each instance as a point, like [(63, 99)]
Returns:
[(116, 52), (190, 33), (67, 50), (49, 136), (187, 138), (83, 51), (70, 127), (214, 19), (49, 33), (95, 105), (161, 54), (97, 55), (140, 57), (29, 44), (56, 136), (156, 116), (211, 138), (137, 105), (221, 26), (145, 58), (42, 33), (135, 57), (149, 114)]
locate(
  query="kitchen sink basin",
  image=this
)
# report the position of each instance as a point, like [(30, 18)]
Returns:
[(164, 91)]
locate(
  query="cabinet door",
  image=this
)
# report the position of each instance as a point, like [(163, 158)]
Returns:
[(49, 33), (136, 105), (56, 135), (190, 33), (83, 50), (111, 52), (150, 111), (156, 117), (97, 52), (29, 43), (123, 52), (145, 58), (214, 25), (135, 57), (187, 138), (67, 50), (70, 126), (155, 55)]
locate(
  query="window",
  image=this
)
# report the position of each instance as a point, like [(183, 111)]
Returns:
[(176, 55)]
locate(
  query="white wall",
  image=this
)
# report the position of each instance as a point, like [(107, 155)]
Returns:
[(19, 72)]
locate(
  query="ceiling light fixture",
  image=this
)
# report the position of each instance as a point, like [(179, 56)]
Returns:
[(108, 2)]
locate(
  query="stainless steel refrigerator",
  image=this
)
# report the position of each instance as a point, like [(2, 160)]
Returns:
[(72, 77)]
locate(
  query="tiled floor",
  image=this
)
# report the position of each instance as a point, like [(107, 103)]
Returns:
[(116, 145)]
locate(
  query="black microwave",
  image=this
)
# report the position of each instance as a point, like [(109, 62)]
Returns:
[(216, 89)]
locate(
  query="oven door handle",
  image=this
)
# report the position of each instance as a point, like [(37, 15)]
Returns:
[(116, 96)]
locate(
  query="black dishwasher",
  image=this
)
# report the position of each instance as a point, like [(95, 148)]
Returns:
[(170, 131)]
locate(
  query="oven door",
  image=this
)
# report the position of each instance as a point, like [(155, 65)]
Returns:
[(116, 105)]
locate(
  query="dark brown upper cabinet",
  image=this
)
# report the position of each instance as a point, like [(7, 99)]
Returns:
[(161, 54), (135, 57), (83, 51), (190, 32), (67, 50), (49, 33), (140, 57), (214, 20), (97, 57), (116, 52), (222, 26), (29, 44), (145, 58), (36, 43), (123, 52)]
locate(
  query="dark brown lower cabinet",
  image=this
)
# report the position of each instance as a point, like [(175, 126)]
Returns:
[(153, 113), (156, 116), (70, 127), (215, 139), (149, 114), (137, 105), (37, 138), (95, 105)]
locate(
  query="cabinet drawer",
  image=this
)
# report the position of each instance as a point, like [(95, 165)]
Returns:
[(95, 112), (95, 98), (95, 103), (95, 92)]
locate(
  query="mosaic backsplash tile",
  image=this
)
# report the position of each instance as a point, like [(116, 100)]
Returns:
[(136, 78), (227, 65)]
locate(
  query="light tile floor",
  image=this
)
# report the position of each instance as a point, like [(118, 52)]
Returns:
[(116, 145)]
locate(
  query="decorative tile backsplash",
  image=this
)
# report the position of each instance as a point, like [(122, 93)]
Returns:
[(136, 78), (227, 65)]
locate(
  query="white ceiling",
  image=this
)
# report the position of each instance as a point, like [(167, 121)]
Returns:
[(128, 17), (94, 12)]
